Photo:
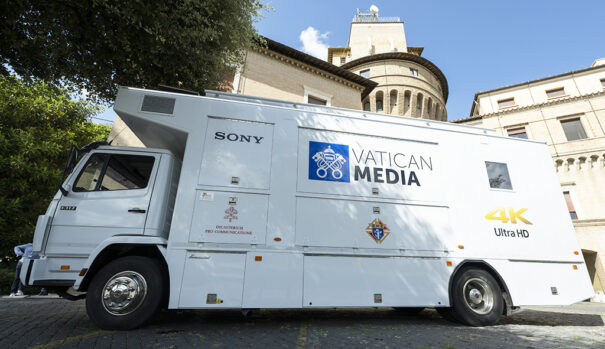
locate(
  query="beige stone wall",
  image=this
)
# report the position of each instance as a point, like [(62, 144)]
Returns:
[(580, 164), (275, 76), (375, 37), (120, 134)]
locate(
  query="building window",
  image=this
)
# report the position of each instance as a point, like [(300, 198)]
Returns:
[(570, 208), (506, 103), (315, 100), (366, 106), (554, 93), (517, 132), (342, 60), (393, 101), (498, 175), (413, 72), (573, 129), (603, 83), (419, 105), (365, 73)]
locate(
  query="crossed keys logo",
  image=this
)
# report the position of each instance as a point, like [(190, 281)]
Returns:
[(231, 214), (329, 160)]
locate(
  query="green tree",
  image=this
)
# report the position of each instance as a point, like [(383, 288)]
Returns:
[(99, 44), (38, 124)]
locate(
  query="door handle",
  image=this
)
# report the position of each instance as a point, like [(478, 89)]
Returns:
[(136, 210)]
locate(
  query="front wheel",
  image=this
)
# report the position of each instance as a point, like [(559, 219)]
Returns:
[(125, 293), (476, 298)]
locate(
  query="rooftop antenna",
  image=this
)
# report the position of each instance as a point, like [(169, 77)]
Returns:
[(374, 10)]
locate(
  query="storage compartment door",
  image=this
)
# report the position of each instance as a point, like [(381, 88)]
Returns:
[(237, 154), (213, 280), (273, 280), (229, 217), (373, 282)]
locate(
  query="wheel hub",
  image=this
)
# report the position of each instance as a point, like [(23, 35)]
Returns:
[(478, 296), (475, 296), (124, 292)]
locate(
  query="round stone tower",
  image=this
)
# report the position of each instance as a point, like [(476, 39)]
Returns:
[(408, 84)]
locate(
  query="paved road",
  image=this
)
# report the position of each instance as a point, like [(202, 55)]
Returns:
[(56, 323)]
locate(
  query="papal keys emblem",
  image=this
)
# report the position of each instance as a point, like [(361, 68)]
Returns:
[(328, 160)]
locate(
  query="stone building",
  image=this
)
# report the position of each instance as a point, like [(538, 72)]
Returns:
[(408, 84), (278, 71), (566, 111)]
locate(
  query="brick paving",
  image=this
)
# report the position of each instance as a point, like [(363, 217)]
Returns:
[(55, 323)]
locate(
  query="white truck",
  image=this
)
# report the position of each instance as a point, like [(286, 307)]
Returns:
[(244, 202)]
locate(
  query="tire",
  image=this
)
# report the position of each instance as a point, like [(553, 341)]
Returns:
[(126, 293), (409, 310), (476, 298)]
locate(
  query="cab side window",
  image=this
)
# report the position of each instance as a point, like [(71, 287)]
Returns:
[(89, 177), (115, 172), (127, 172)]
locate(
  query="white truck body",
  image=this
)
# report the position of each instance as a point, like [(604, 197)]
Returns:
[(256, 203)]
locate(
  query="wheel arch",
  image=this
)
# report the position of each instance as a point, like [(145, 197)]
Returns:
[(481, 264), (114, 248)]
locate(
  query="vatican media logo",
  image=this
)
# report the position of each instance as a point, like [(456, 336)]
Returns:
[(329, 162)]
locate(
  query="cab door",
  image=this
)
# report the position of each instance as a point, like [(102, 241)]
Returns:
[(109, 196)]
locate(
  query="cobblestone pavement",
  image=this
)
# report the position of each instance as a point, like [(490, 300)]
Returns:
[(37, 322)]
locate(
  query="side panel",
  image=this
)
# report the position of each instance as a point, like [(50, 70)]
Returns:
[(354, 281), (213, 280), (340, 163), (531, 283), (347, 223), (229, 217), (273, 280), (235, 148)]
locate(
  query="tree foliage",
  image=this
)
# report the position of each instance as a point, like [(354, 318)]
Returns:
[(38, 124), (100, 44)]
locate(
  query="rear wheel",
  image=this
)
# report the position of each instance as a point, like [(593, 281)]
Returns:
[(126, 293), (476, 298)]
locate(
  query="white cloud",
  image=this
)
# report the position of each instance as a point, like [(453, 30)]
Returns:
[(314, 43)]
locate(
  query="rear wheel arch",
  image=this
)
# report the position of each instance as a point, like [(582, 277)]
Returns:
[(480, 264)]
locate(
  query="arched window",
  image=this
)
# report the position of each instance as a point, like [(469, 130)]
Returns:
[(419, 105), (393, 101), (366, 105), (407, 99), (379, 105), (429, 106)]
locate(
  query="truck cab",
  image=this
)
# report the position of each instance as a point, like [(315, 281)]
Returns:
[(112, 192)]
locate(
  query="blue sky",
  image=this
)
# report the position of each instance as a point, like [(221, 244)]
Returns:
[(479, 45)]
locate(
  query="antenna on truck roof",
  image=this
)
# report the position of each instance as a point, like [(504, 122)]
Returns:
[(166, 88)]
